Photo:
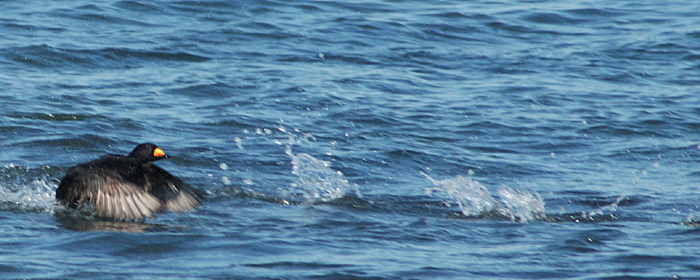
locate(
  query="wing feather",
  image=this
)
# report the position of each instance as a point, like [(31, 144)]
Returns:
[(175, 194), (135, 211), (108, 204), (110, 194), (143, 203)]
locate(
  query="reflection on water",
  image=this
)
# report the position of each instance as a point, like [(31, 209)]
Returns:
[(82, 221)]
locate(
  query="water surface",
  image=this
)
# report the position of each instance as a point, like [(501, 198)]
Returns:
[(377, 140)]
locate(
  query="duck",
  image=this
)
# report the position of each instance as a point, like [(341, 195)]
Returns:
[(130, 187)]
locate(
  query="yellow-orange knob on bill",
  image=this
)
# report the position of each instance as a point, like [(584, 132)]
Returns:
[(158, 152)]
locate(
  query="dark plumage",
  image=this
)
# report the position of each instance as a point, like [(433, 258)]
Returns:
[(126, 187)]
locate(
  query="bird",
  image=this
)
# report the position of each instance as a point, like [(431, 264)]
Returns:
[(128, 187)]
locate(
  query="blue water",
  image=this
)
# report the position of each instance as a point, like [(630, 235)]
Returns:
[(359, 140)]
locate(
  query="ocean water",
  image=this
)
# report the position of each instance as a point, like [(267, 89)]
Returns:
[(359, 139)]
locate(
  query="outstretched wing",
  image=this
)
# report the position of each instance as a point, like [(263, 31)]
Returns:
[(171, 191), (110, 195)]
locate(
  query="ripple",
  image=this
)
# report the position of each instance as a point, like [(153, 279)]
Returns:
[(52, 117), (94, 14), (44, 56), (299, 265), (550, 18), (118, 54)]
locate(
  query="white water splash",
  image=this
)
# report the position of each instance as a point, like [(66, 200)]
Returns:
[(35, 194), (521, 206), (239, 142), (475, 200), (471, 197), (604, 210), (316, 181)]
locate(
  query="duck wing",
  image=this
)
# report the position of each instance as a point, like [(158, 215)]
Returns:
[(109, 193), (175, 194)]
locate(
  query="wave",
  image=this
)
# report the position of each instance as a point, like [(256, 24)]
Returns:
[(44, 56)]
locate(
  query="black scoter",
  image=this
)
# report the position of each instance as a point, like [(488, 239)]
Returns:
[(126, 187)]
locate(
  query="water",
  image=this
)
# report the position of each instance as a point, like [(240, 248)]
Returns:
[(361, 140)]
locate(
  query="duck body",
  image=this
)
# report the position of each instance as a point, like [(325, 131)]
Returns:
[(126, 187)]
